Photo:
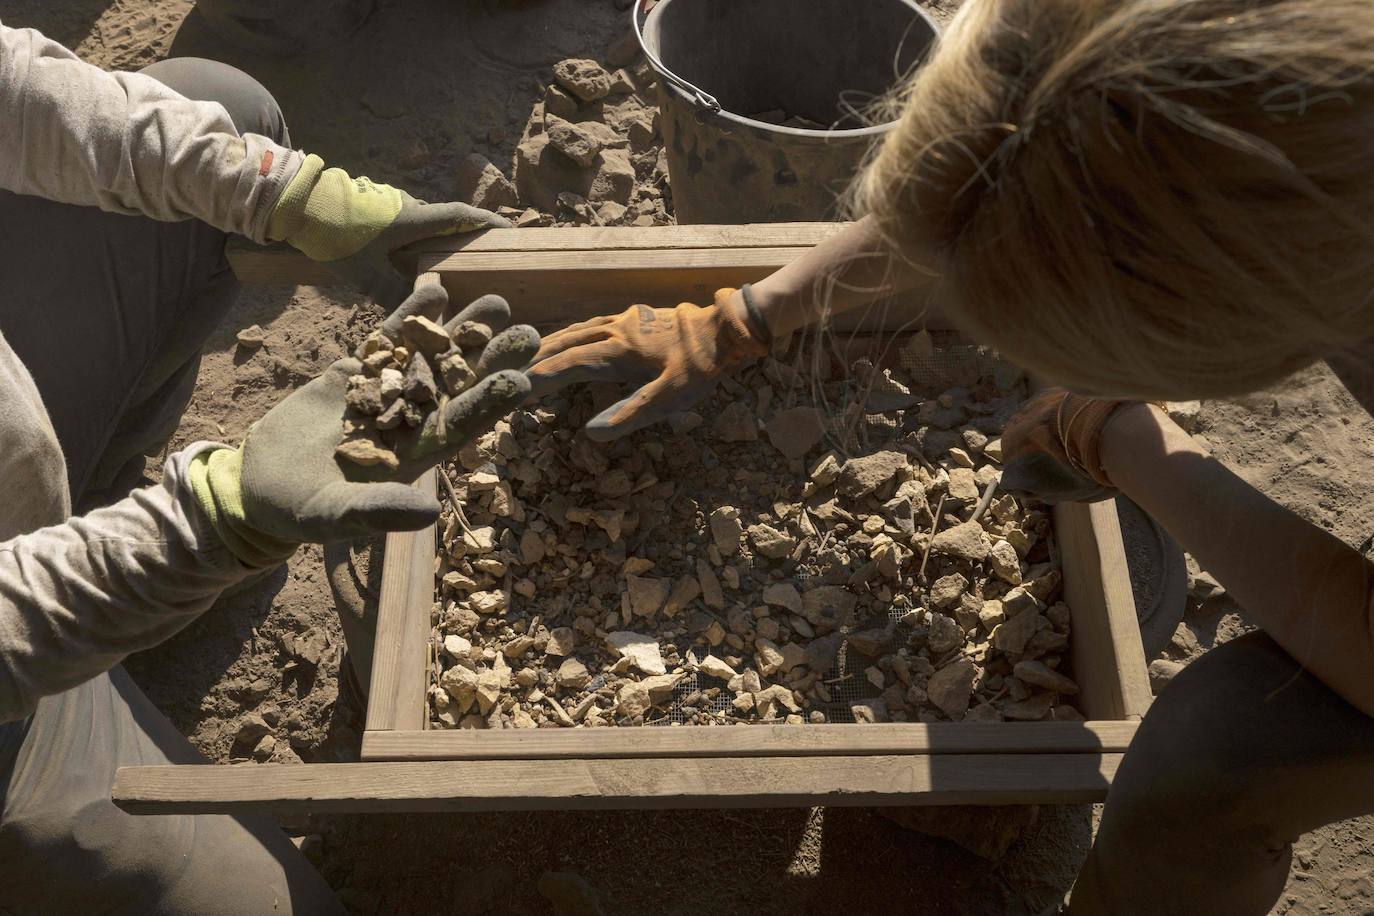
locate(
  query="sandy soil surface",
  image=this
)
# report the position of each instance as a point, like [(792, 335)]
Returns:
[(461, 76)]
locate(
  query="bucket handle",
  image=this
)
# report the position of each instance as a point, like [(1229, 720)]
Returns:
[(703, 99)]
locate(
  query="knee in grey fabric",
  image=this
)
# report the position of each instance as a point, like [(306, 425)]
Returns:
[(1240, 755), (1202, 755), (249, 105)]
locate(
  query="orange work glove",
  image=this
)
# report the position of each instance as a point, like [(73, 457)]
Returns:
[(1050, 448), (675, 356)]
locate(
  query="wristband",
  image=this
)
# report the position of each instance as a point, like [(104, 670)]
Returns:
[(755, 318)]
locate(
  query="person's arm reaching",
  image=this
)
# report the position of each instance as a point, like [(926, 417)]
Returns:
[(1308, 590), (76, 598), (845, 272), (676, 356), (124, 142)]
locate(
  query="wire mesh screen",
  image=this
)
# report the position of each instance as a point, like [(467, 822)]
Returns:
[(934, 370)]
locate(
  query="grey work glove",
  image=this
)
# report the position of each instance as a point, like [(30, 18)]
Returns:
[(352, 225), (284, 486)]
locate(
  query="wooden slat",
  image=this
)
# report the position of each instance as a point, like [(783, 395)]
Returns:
[(752, 741), (281, 265), (527, 785), (552, 299), (1108, 658), (615, 261), (396, 699), (599, 238), (277, 265)]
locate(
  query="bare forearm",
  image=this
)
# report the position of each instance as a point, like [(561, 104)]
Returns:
[(844, 272), (1307, 589)]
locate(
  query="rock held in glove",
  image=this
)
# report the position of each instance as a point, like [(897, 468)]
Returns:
[(419, 381), (364, 395), (367, 453), (425, 336), (456, 373)]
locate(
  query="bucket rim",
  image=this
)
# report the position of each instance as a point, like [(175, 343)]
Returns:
[(701, 99)]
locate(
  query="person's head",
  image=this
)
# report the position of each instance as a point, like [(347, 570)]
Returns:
[(1148, 198)]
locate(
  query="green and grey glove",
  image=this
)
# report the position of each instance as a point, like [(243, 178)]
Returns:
[(284, 486), (352, 225)]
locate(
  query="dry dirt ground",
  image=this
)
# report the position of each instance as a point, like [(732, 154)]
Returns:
[(462, 75)]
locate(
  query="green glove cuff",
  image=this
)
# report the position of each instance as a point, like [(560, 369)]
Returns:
[(328, 215), (214, 478), (289, 214)]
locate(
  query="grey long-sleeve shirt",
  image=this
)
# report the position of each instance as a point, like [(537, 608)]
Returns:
[(79, 594)]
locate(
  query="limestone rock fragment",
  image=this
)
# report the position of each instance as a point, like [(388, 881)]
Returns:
[(573, 674), (367, 453), (783, 595), (863, 475), (482, 184), (585, 79), (966, 541), (770, 542), (1004, 562), (647, 594), (711, 592), (424, 335), (714, 667), (1013, 636), (364, 395), (1032, 709), (795, 431), (950, 688), (1041, 675), (947, 590), (562, 640), (726, 530), (685, 591), (642, 651), (637, 697), (945, 634)]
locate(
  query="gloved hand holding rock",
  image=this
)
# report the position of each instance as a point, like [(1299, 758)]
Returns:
[(287, 484), (352, 225), (675, 356)]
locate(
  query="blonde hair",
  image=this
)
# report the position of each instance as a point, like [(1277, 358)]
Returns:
[(1153, 198)]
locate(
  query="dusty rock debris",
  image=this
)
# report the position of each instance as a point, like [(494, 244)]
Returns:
[(695, 574), (405, 381), (591, 154)]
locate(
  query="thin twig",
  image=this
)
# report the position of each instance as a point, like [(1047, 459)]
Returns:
[(987, 498), (916, 453), (563, 718), (454, 501), (441, 421), (934, 529)]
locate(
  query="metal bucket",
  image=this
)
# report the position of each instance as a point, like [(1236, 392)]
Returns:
[(722, 63)]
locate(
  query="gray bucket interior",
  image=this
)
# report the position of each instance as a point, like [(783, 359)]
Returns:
[(817, 59)]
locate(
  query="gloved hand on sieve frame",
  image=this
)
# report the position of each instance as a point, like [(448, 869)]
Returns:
[(352, 225)]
